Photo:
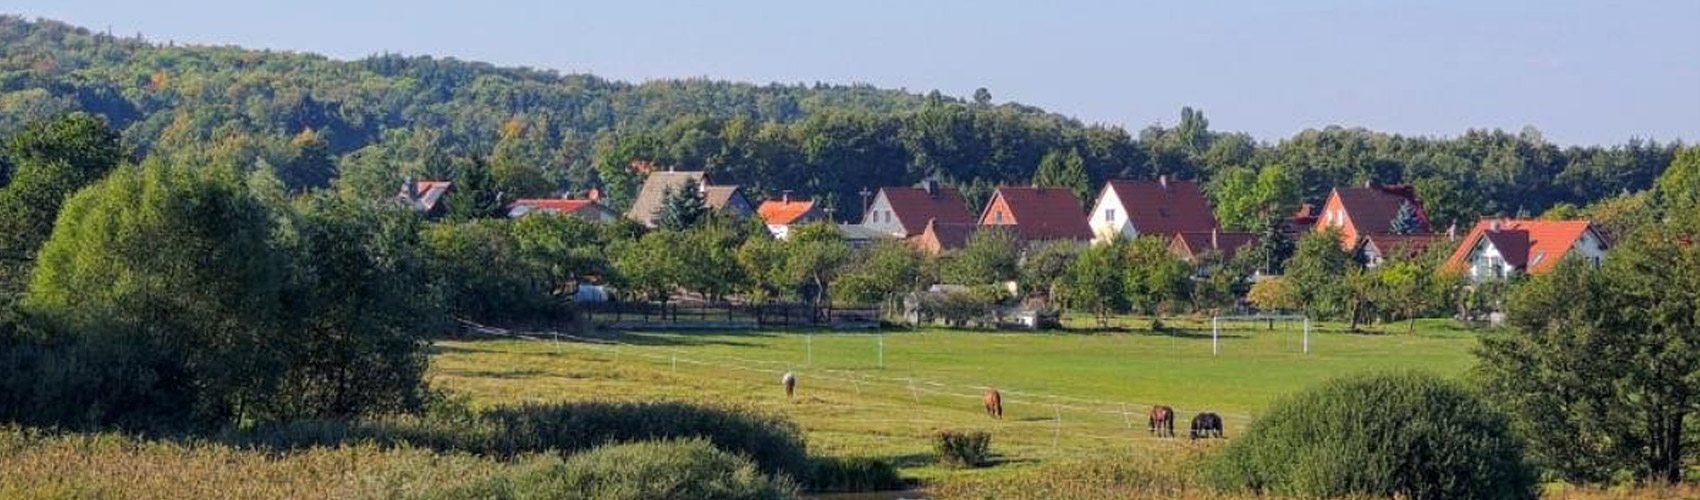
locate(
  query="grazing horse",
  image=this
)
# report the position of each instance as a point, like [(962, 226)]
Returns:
[(1207, 425), (790, 381), (1162, 421), (994, 403)]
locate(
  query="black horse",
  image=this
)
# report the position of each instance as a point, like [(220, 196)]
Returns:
[(1207, 425)]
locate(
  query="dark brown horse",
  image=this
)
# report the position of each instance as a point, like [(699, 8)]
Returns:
[(1162, 421), (790, 381), (1207, 425), (994, 403)]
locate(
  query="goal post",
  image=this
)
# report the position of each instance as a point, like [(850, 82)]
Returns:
[(1216, 327)]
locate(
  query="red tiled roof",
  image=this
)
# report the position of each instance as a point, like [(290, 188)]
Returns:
[(914, 206), (1534, 246), (1040, 214), (1164, 207), (1403, 245), (1192, 244), (941, 236), (525, 206), (1373, 208), (428, 193), (785, 212)]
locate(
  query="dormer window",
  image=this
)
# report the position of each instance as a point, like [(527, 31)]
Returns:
[(1109, 215)]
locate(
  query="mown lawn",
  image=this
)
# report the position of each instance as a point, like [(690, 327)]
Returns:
[(1065, 394)]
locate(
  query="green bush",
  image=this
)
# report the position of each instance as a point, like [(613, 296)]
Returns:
[(659, 470), (775, 444), (963, 448), (856, 474), (1409, 435)]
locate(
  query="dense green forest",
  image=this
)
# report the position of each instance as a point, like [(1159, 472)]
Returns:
[(360, 126)]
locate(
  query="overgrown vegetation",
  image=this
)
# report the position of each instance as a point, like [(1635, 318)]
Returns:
[(660, 470), (1404, 435), (963, 448)]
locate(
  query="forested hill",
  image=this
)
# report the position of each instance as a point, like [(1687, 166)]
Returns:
[(360, 126)]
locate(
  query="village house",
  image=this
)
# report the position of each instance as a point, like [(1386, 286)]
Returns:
[(902, 212), (942, 236), (1037, 214), (1358, 212), (724, 199), (1377, 249), (781, 214), (1193, 245), (1499, 249), (1164, 207), (589, 209), (426, 196)]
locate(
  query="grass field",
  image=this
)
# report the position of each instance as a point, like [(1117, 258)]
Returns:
[(1067, 395)]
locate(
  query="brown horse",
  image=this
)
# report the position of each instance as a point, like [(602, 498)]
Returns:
[(994, 403), (790, 381), (1207, 425), (1162, 421)]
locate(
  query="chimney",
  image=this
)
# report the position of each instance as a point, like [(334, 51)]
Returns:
[(1493, 225), (594, 194), (932, 186), (1369, 183), (411, 187), (1163, 180), (785, 197), (1452, 232), (1214, 243)]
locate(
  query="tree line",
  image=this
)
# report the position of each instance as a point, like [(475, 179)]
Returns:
[(364, 125)]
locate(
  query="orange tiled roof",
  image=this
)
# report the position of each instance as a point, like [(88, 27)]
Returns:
[(784, 212), (1534, 246)]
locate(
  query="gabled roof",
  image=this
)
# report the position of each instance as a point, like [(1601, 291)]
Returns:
[(654, 192), (427, 194), (1041, 213), (784, 212), (580, 207), (1164, 206), (1534, 246), (1192, 244), (914, 206), (719, 197), (1373, 208), (1402, 245), (941, 236)]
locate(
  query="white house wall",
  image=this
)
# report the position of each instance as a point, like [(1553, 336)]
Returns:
[(880, 217), (1103, 227)]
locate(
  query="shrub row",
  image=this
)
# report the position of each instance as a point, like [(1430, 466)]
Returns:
[(775, 444), (690, 469)]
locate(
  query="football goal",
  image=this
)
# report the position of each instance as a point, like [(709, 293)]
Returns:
[(1216, 327)]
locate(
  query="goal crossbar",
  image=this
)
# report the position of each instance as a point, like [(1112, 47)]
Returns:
[(1216, 327)]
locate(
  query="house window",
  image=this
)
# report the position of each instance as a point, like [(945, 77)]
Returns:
[(1496, 267), (998, 217), (1109, 215)]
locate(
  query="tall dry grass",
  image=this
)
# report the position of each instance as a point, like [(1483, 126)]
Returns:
[(36, 465)]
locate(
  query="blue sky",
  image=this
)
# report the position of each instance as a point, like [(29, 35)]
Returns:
[(1581, 72)]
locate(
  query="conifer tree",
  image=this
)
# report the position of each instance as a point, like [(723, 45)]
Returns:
[(1406, 222), (683, 208)]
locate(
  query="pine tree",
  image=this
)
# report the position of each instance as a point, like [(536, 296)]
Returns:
[(1406, 222), (475, 195), (1065, 169), (683, 208)]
